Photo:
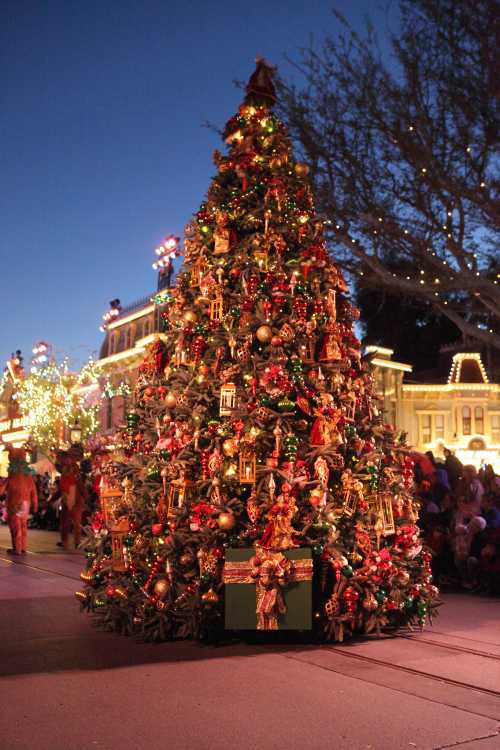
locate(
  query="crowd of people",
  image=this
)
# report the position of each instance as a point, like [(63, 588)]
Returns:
[(460, 521)]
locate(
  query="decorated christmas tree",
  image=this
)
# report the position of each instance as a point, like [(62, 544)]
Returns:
[(255, 485)]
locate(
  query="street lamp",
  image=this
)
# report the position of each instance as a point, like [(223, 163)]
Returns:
[(75, 433)]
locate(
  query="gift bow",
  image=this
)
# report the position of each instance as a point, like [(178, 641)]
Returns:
[(271, 572)]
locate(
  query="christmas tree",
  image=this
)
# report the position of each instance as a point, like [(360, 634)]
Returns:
[(255, 484)]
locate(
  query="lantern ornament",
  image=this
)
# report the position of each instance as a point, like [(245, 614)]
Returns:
[(380, 507), (178, 493), (197, 271), (248, 466), (262, 259), (307, 349), (110, 498), (216, 308), (119, 531), (385, 511), (351, 492), (350, 408), (227, 399)]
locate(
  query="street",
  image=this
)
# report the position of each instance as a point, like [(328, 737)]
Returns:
[(66, 684)]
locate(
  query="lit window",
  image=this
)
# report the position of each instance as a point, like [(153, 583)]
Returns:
[(426, 428), (466, 420), (495, 427), (479, 420), (439, 426)]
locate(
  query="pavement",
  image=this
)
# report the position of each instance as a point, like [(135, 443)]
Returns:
[(64, 685)]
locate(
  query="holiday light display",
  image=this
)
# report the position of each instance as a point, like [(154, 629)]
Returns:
[(42, 352), (50, 407), (110, 315), (255, 450)]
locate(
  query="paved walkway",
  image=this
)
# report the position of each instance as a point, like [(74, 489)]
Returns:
[(67, 686)]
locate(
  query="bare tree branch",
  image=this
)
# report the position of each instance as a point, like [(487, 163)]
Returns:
[(405, 156)]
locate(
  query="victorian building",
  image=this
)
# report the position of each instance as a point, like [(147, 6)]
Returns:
[(460, 412), (128, 331)]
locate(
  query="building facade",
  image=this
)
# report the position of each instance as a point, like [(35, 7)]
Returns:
[(462, 414), (122, 352)]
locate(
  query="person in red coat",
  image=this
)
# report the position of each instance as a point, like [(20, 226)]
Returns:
[(21, 494)]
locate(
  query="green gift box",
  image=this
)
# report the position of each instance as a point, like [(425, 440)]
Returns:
[(268, 589)]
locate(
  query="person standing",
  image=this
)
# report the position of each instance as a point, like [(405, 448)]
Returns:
[(469, 496), (453, 467), (21, 498), (72, 497)]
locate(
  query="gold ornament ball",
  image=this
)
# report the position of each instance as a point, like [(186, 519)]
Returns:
[(229, 447), (301, 169), (190, 316), (315, 497), (226, 521), (161, 587), (264, 334), (170, 400)]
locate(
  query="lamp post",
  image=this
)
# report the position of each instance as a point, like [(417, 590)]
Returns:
[(75, 433)]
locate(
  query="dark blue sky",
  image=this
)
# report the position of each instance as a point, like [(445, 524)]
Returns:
[(103, 149)]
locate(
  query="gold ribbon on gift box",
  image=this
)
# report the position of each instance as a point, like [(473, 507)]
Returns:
[(271, 572)]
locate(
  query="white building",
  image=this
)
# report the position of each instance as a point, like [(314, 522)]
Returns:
[(462, 414)]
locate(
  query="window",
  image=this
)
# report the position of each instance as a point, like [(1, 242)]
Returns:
[(439, 427), (146, 326), (479, 420), (121, 340), (426, 428), (111, 343), (495, 428), (466, 420)]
